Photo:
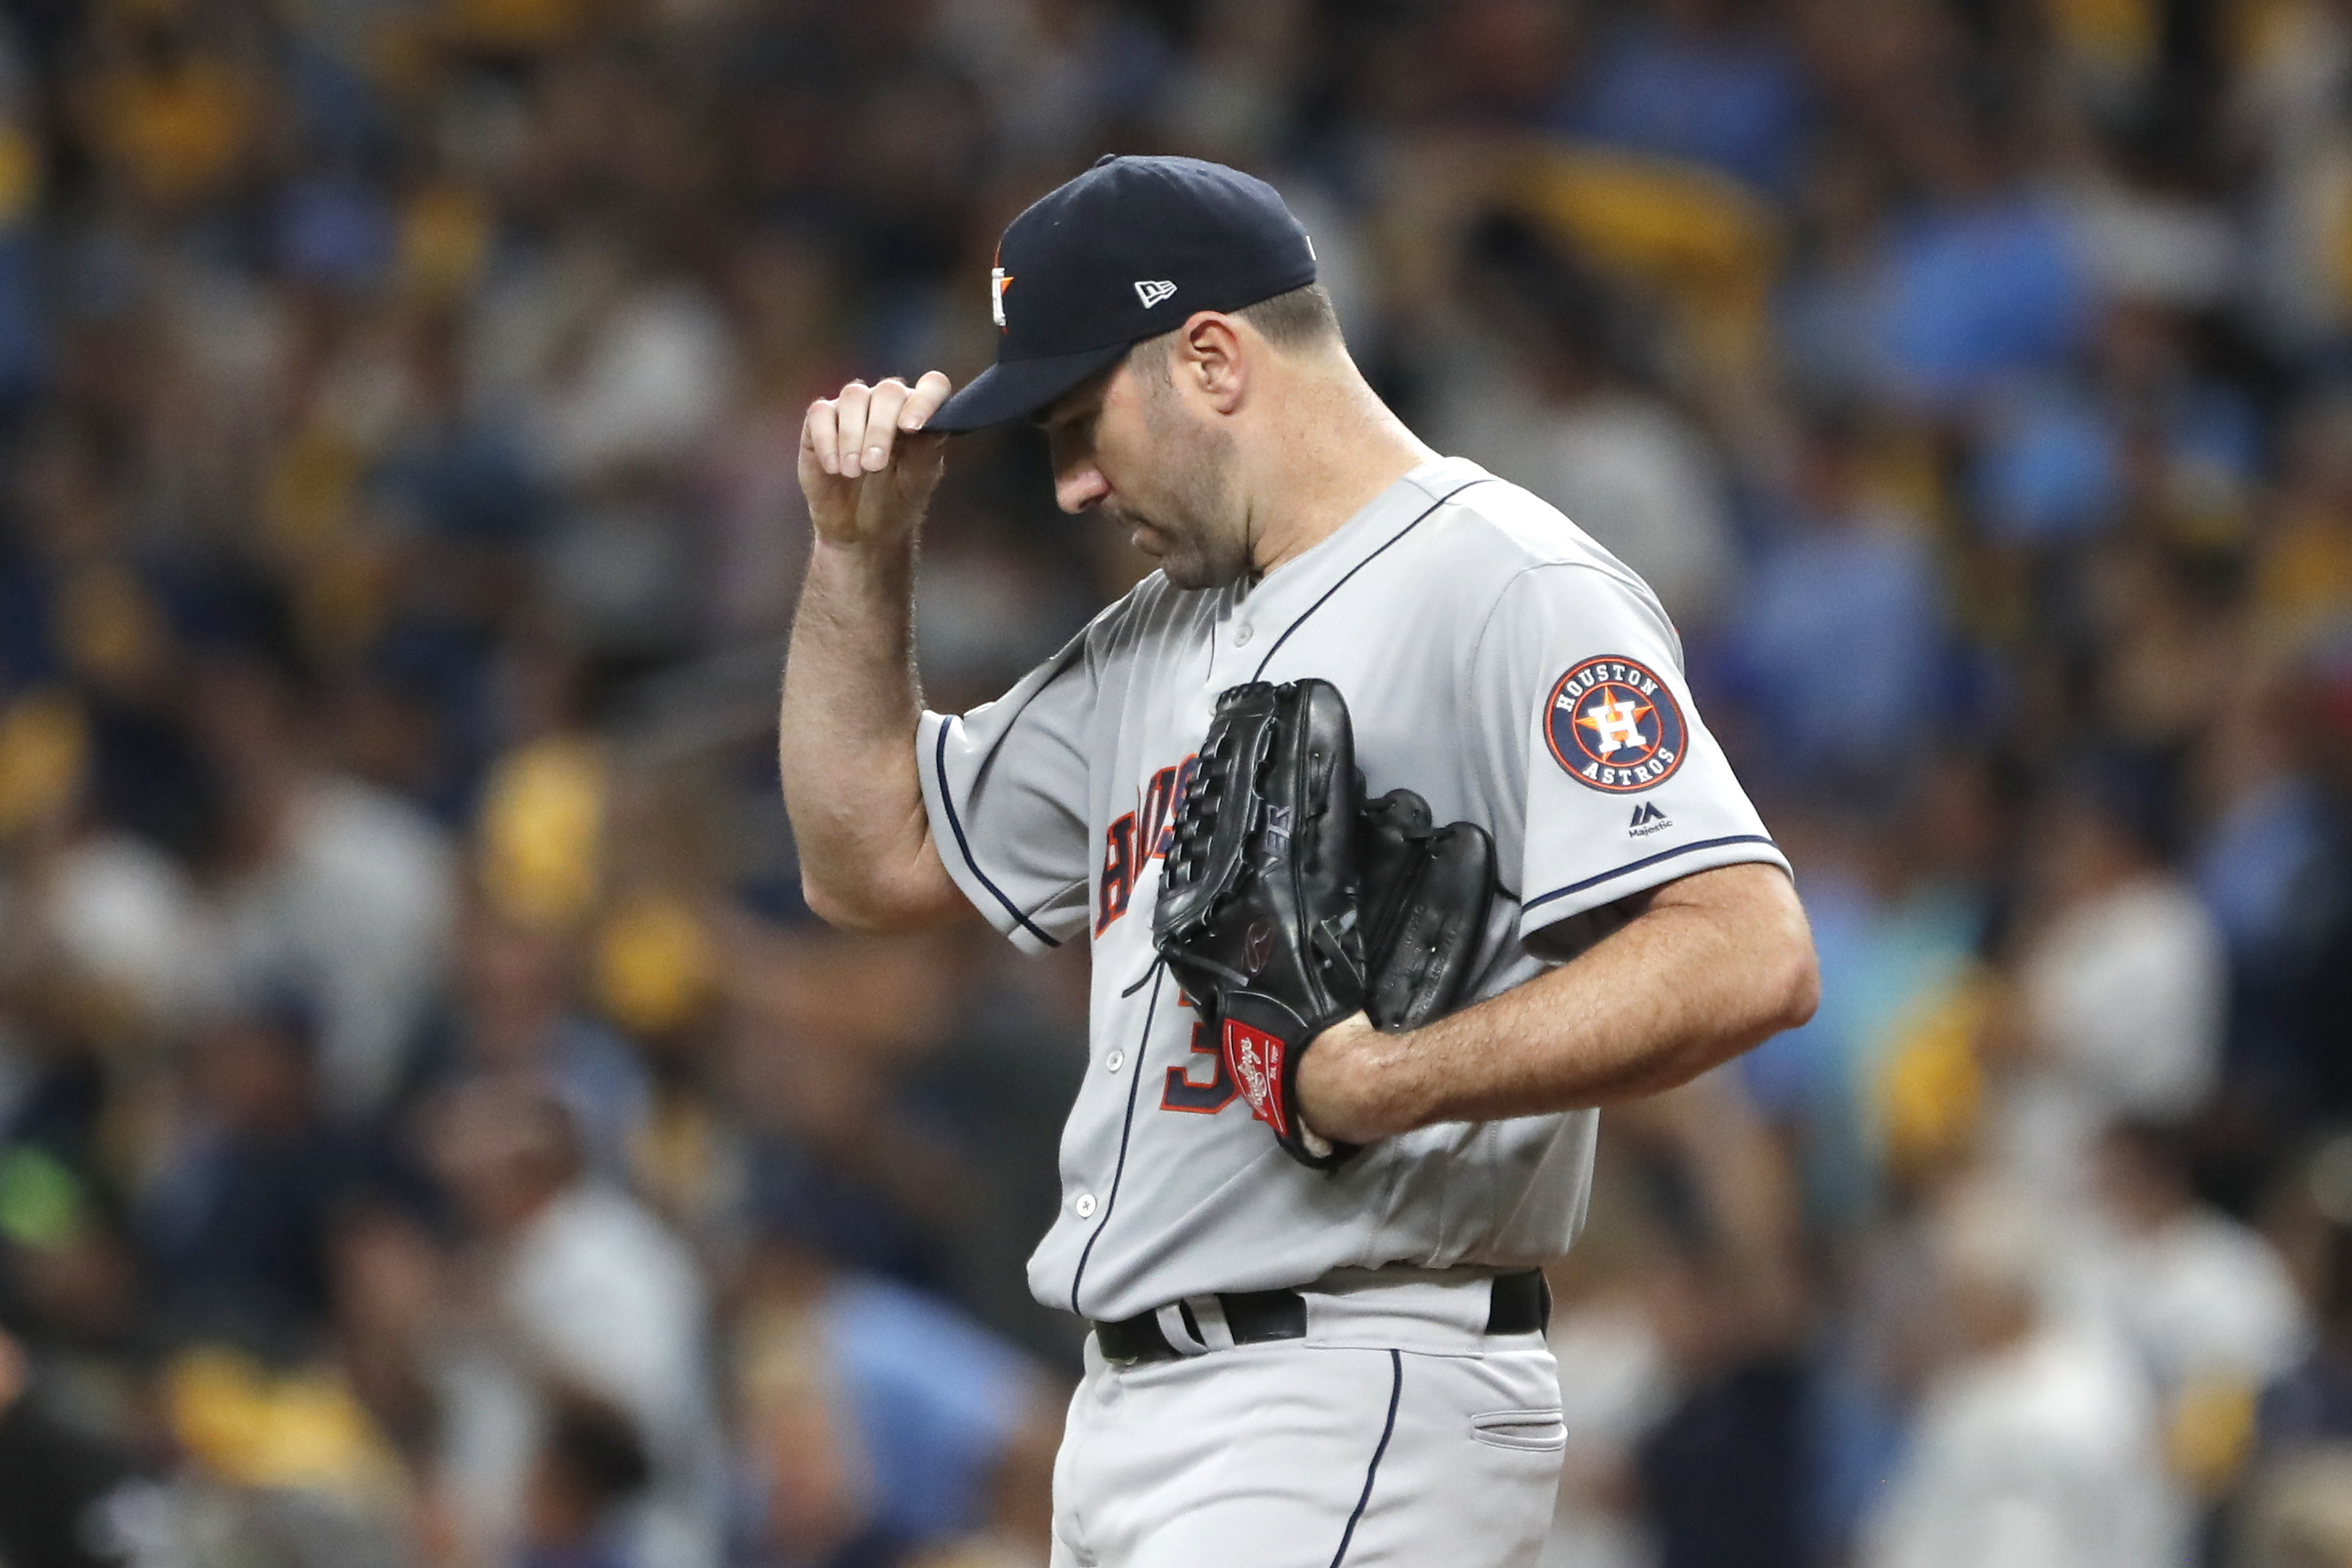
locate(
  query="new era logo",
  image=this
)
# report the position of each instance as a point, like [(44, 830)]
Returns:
[(1151, 290)]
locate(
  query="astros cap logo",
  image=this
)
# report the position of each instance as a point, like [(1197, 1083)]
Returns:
[(1614, 725), (998, 280)]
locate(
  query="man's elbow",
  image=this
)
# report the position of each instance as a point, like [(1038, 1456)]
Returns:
[(1799, 990), (1780, 979), (887, 899), (838, 912), (860, 911), (1768, 948), (1782, 989), (1787, 979)]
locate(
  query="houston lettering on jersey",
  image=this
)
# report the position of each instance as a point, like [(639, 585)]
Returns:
[(1129, 845), (1137, 838)]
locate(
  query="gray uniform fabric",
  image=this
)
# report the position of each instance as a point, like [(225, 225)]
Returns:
[(1394, 1435), (1493, 658)]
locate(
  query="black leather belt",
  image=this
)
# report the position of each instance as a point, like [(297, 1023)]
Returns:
[(1520, 1304)]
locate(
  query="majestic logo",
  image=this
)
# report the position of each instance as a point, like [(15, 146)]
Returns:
[(1647, 819), (998, 280), (1151, 290), (1255, 1058), (1616, 726)]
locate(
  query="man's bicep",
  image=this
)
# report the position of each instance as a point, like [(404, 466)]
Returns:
[(1749, 895), (1726, 891), (902, 889), (1687, 975), (1752, 891), (1756, 942)]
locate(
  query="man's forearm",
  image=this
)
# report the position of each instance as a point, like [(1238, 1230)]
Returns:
[(845, 735), (1715, 965)]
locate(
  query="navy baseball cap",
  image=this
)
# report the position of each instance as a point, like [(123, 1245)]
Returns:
[(1124, 252)]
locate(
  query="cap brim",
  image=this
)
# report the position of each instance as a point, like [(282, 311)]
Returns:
[(1014, 389)]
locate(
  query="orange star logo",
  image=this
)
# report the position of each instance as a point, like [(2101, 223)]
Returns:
[(1615, 719)]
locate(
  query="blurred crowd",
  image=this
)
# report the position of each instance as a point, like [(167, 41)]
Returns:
[(434, 1131)]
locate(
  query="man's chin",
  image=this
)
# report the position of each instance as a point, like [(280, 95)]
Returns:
[(1183, 567), (1191, 575), (1175, 567)]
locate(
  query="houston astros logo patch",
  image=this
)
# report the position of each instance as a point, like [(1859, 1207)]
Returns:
[(1615, 725)]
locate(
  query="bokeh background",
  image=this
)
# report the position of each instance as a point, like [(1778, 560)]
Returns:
[(432, 1131)]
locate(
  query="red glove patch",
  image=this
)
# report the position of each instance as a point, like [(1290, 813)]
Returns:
[(1255, 1058)]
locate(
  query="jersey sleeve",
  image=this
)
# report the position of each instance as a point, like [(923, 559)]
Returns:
[(1626, 789), (1005, 786)]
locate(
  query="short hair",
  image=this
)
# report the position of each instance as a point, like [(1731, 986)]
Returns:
[(1297, 320), (1301, 318)]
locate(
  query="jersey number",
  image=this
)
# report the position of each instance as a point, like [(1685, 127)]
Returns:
[(1205, 1098)]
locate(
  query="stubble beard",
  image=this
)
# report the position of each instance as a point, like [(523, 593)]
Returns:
[(1205, 542), (1200, 555)]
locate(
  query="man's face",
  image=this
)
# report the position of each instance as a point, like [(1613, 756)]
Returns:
[(1126, 444)]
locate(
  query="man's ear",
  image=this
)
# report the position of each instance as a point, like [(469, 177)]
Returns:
[(1209, 361)]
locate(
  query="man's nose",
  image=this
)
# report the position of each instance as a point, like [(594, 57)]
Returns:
[(1079, 488)]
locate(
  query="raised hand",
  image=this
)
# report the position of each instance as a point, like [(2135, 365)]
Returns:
[(865, 467)]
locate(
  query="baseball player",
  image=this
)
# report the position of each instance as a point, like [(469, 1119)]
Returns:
[(1292, 1363)]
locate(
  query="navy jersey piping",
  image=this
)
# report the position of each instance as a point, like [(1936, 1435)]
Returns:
[(946, 798), (1646, 860), (1359, 566), (1396, 1388), (1111, 1199)]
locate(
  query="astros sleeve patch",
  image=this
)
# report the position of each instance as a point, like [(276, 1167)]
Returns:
[(1614, 725)]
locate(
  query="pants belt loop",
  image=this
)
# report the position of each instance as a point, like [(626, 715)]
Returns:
[(1181, 1338), (1208, 1312)]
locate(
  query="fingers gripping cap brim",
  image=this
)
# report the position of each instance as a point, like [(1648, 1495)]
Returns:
[(1015, 389)]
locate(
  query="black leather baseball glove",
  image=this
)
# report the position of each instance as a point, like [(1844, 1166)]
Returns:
[(1262, 900), (1426, 894), (1258, 912)]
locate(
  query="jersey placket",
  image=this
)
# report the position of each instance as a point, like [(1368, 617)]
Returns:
[(1239, 640), (1146, 1003)]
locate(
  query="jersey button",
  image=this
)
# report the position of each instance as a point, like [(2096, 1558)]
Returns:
[(1114, 1061), (1242, 634), (1085, 1205)]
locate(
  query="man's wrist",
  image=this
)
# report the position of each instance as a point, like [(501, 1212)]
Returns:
[(865, 571), (1358, 1085), (892, 552)]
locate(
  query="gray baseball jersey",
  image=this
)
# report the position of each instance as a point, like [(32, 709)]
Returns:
[(1494, 660)]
